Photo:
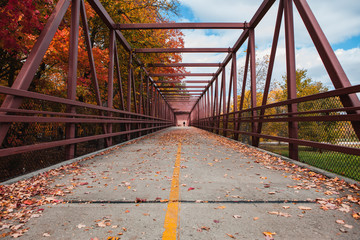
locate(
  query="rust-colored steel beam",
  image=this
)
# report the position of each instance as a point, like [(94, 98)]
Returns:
[(94, 79), (191, 81), (331, 147), (29, 119), (180, 91), (184, 65), (133, 26), (291, 74), (27, 94), (328, 57), (100, 10), (181, 86), (271, 61), (258, 16), (182, 94), (185, 81), (104, 15), (182, 50), (28, 70), (72, 75), (40, 146), (182, 75)]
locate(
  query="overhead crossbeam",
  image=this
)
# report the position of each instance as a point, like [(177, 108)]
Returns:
[(182, 94), (181, 87), (186, 81), (184, 65), (183, 50), (181, 90), (182, 75), (134, 26)]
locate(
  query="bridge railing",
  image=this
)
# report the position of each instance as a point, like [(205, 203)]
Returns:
[(321, 129), (38, 130)]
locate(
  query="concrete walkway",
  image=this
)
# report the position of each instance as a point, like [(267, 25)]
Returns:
[(218, 189)]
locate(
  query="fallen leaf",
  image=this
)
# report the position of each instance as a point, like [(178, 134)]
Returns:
[(269, 238), (16, 235), (284, 214), (83, 183), (220, 207), (230, 235), (191, 188), (216, 221), (113, 238), (340, 221), (236, 216), (344, 208), (348, 226), (255, 218), (285, 207), (205, 228), (304, 208), (140, 200), (81, 225), (28, 202), (269, 234), (356, 216), (104, 223)]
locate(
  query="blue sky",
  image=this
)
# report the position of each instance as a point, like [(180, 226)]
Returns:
[(340, 21)]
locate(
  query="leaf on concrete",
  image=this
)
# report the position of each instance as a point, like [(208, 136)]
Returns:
[(204, 228), (220, 207), (304, 208), (348, 226), (339, 221), (229, 235), (81, 225)]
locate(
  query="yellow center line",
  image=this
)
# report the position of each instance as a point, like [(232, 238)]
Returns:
[(171, 217)]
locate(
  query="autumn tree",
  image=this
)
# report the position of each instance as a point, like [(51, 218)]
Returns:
[(21, 22)]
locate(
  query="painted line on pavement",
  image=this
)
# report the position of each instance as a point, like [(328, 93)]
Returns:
[(172, 217)]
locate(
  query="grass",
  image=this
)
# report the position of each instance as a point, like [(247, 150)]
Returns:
[(343, 164)]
